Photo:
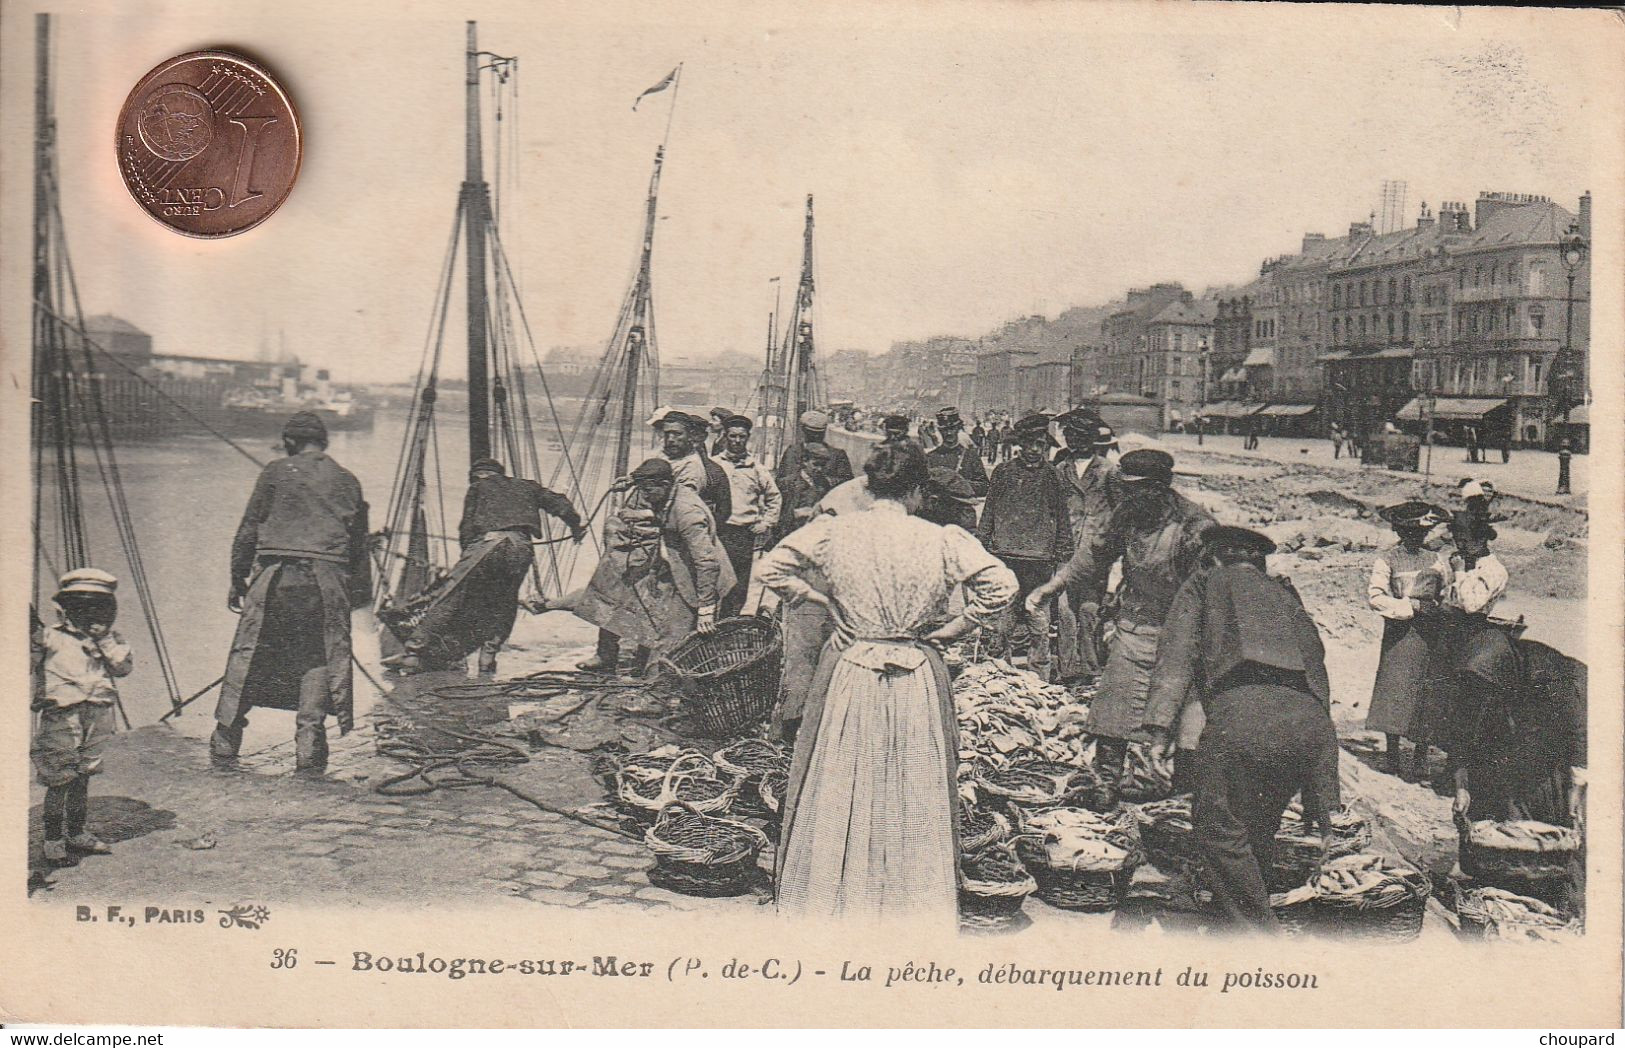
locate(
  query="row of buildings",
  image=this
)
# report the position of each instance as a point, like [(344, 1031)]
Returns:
[(1469, 320)]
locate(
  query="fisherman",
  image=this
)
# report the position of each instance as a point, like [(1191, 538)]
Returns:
[(946, 498), (1157, 534), (1025, 524), (814, 425), (756, 508), (894, 429), (76, 663), (717, 430), (298, 566), (1239, 646), (692, 466), (662, 575), (1408, 587), (958, 452), (1091, 493), (476, 608)]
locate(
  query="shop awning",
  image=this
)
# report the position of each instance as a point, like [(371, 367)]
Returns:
[(1262, 357), (1451, 408), (1288, 410), (1218, 409), (1231, 409)]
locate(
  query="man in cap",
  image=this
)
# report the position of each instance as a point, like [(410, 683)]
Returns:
[(1157, 535), (477, 607), (947, 498), (682, 443), (717, 430), (814, 427), (894, 429), (1024, 523), (1239, 646), (1091, 493), (298, 566), (957, 453), (756, 508)]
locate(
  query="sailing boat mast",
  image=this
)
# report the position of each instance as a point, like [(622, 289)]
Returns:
[(802, 377), (476, 208), (637, 336)]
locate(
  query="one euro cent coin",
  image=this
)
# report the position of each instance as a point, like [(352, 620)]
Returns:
[(209, 144)]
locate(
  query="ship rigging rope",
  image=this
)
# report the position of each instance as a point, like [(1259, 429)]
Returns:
[(98, 432)]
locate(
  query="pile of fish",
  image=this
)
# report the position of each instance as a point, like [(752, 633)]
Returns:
[(1372, 879), (1523, 835), (1502, 915), (1076, 839), (1002, 710)]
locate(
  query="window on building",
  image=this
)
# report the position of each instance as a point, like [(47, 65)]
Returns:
[(1334, 329), (1460, 323), (1494, 322), (1405, 326), (1337, 298), (1512, 319), (1537, 280), (1478, 276), (1407, 289), (1362, 327), (1472, 323), (1365, 291), (1393, 286), (1512, 273), (1537, 376), (1390, 325)]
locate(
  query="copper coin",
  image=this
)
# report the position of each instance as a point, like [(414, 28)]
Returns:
[(209, 144)]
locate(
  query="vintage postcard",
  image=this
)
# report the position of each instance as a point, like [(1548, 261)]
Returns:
[(888, 514)]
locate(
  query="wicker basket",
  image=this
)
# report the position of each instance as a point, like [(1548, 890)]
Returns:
[(698, 854), (1297, 855), (771, 790), (654, 764), (1166, 834), (1296, 911), (690, 780), (729, 678), (1035, 784), (1521, 865), (979, 828), (1089, 889), (749, 759), (1495, 914), (992, 888), (1390, 911), (1144, 777)]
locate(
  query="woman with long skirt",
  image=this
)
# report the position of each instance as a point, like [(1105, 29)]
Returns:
[(869, 821), (1408, 584)]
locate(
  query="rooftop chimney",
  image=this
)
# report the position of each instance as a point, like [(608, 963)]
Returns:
[(1312, 239), (1425, 219), (1359, 229), (1585, 214)]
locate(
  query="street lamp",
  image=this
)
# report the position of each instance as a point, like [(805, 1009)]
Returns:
[(1201, 400), (1572, 250)]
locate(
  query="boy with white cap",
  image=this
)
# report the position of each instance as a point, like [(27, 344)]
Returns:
[(75, 663)]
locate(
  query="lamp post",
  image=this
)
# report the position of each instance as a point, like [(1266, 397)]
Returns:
[(1201, 400), (1572, 252)]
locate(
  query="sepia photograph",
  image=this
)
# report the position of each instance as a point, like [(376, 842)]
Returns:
[(1062, 495)]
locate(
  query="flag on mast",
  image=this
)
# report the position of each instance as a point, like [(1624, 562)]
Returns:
[(665, 83)]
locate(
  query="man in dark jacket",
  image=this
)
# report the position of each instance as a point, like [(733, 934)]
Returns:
[(1091, 494), (947, 499), (1024, 523), (961, 456), (1241, 645), (894, 429), (692, 466), (477, 607), (298, 566), (814, 425), (1157, 534)]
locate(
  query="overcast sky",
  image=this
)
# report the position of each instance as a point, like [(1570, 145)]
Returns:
[(970, 163)]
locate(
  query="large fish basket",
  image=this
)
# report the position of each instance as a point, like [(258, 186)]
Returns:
[(747, 762), (1518, 852), (1032, 781), (728, 679), (691, 780), (980, 827), (1297, 851), (1296, 911), (771, 790), (993, 885), (1387, 907), (1167, 834), (1092, 887), (1499, 915), (699, 854)]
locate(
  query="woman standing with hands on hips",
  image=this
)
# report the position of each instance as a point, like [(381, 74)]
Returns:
[(869, 821)]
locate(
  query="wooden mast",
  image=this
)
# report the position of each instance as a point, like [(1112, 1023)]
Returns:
[(476, 200), (637, 336), (802, 377)]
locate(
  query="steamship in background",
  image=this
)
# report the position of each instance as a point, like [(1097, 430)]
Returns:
[(151, 395)]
